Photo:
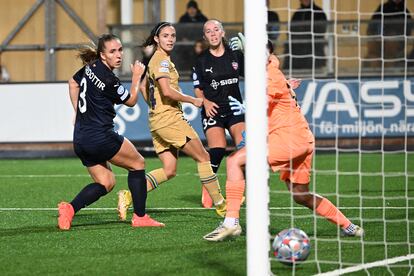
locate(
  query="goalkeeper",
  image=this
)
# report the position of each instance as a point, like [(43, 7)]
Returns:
[(291, 147)]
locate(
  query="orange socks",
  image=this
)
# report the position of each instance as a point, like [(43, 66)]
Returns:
[(329, 211), (234, 196)]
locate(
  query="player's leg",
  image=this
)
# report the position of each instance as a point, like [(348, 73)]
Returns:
[(129, 158), (235, 186), (208, 178), (104, 181), (216, 140), (93, 157), (236, 131), (323, 207), (154, 178), (168, 154), (297, 181)]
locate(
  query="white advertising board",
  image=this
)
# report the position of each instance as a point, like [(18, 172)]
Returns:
[(39, 112)]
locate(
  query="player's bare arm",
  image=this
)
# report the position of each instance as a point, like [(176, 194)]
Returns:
[(176, 95), (143, 88), (74, 93), (137, 70)]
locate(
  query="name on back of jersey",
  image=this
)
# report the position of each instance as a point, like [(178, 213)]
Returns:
[(94, 79)]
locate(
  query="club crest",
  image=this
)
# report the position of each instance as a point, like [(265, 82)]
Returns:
[(235, 65)]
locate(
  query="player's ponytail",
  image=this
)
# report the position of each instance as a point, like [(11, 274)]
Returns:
[(90, 53), (87, 54)]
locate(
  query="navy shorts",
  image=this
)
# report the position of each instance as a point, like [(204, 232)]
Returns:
[(93, 154), (222, 121)]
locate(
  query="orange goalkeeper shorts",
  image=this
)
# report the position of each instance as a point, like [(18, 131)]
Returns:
[(292, 156)]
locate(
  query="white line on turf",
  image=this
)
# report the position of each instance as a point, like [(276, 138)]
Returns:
[(185, 208), (98, 209), (75, 175), (368, 265)]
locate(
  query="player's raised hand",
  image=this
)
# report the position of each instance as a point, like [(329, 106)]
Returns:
[(210, 108), (237, 42), (198, 102), (137, 68)]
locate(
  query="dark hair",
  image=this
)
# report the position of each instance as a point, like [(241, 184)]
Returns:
[(150, 41), (269, 46), (88, 53), (192, 4), (155, 32)]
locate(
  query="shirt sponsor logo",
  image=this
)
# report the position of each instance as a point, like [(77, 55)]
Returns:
[(235, 65), (216, 84)]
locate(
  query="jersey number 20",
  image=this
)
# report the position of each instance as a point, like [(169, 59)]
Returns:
[(82, 95)]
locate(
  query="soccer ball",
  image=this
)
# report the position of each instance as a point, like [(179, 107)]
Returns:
[(291, 246)]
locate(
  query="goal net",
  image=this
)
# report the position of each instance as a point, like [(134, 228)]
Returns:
[(356, 62)]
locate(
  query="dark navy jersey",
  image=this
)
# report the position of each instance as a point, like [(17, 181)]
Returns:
[(218, 77), (99, 90)]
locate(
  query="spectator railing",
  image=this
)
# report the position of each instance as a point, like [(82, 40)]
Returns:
[(348, 49)]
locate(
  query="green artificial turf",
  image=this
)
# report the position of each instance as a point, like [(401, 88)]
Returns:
[(375, 191)]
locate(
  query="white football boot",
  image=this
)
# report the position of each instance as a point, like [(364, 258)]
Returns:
[(353, 230), (222, 232)]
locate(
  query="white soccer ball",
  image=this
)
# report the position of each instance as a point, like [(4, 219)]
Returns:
[(291, 246)]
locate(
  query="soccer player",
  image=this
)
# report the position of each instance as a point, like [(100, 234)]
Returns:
[(170, 132), (291, 147), (93, 91), (216, 80)]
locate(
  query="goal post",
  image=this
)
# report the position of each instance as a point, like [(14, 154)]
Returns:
[(357, 94), (257, 191)]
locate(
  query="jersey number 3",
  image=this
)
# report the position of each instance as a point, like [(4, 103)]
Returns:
[(82, 95)]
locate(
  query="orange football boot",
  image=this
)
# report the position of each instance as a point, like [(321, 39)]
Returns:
[(145, 221), (66, 214)]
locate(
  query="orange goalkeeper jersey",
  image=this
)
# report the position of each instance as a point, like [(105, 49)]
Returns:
[(283, 112)]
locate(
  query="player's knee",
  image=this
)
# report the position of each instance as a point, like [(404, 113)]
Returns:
[(303, 198), (137, 164), (231, 161), (299, 199), (235, 160), (108, 182)]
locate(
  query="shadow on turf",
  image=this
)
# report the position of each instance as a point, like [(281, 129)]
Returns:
[(81, 220), (214, 263), (192, 198)]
